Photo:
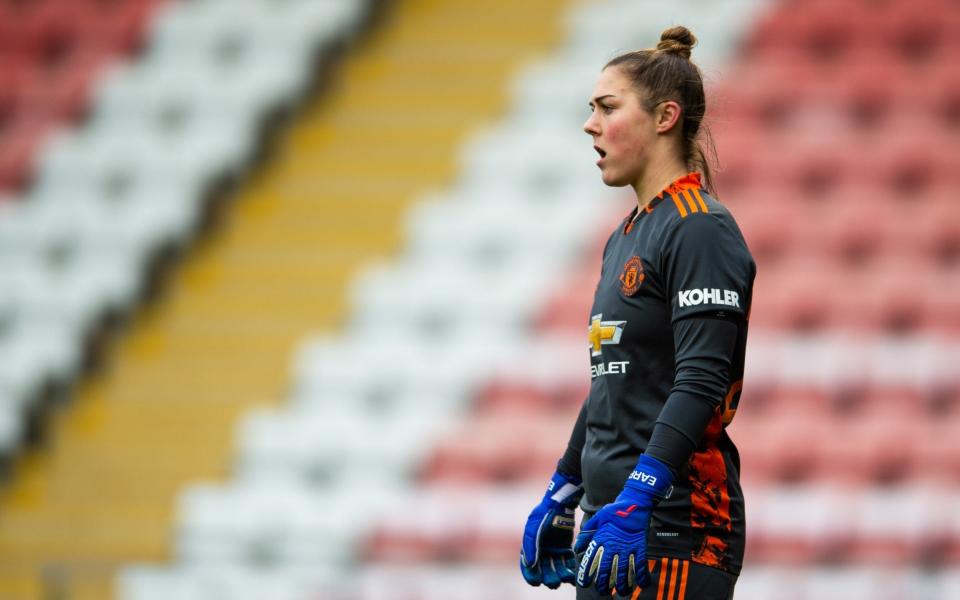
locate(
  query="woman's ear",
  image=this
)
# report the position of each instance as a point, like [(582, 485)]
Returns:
[(667, 116)]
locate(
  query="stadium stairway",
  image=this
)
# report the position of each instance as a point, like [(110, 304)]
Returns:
[(163, 414)]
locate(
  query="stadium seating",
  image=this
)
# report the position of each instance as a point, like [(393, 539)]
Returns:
[(88, 212), (453, 382), (51, 54)]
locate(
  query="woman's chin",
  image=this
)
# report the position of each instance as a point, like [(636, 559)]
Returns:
[(612, 180)]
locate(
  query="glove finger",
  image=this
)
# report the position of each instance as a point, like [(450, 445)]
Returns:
[(641, 573), (587, 570), (604, 562), (548, 567), (531, 574), (632, 572), (621, 574), (530, 547), (567, 567)]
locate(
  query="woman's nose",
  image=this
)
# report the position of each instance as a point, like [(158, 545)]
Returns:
[(590, 125)]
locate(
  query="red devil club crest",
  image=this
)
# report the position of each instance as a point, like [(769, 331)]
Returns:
[(632, 276)]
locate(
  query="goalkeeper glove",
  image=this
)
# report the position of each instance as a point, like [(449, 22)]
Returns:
[(546, 555), (614, 541)]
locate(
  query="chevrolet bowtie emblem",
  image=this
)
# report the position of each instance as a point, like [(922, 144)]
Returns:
[(603, 332)]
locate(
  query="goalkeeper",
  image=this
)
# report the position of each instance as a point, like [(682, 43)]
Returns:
[(649, 460)]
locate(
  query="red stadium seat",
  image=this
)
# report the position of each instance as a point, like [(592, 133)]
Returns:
[(798, 294), (884, 295), (50, 52), (500, 447), (933, 223), (917, 30), (118, 26), (777, 449), (901, 401), (767, 217), (938, 454), (942, 302), (17, 147), (761, 91), (570, 310), (878, 539), (848, 228), (777, 534)]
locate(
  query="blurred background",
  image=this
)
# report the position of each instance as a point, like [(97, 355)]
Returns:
[(293, 293)]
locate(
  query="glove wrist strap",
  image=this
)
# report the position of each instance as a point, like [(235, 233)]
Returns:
[(652, 477), (564, 490)]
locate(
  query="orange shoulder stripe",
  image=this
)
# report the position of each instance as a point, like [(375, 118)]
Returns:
[(690, 202), (703, 205), (680, 208)]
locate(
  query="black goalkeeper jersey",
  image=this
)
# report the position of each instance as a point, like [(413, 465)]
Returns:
[(682, 255)]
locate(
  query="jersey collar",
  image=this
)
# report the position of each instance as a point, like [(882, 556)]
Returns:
[(689, 181)]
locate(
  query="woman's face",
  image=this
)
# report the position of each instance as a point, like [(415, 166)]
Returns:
[(623, 131)]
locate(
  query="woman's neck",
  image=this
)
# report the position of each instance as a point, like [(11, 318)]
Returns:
[(657, 176)]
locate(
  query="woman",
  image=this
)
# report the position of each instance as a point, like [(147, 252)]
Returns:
[(649, 460)]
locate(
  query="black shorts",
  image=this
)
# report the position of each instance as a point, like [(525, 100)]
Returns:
[(678, 579)]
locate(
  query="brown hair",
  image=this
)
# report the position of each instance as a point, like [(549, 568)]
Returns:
[(666, 73)]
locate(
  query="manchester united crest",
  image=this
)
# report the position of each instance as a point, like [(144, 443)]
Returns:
[(632, 276)]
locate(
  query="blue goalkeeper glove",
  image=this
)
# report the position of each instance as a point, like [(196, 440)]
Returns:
[(546, 555), (614, 541)]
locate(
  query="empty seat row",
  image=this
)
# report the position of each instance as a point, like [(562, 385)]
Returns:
[(276, 522), (50, 56), (375, 368), (502, 226), (837, 398), (860, 449), (824, 27), (801, 442), (39, 31), (483, 523), (850, 230), (199, 582), (822, 367), (111, 200), (849, 525), (325, 447), (499, 446), (893, 296), (909, 401), (817, 163), (440, 297)]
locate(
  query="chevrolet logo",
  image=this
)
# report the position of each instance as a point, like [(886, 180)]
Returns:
[(603, 332)]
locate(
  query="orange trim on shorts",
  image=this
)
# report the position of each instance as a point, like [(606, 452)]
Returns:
[(674, 567), (663, 578), (683, 581)]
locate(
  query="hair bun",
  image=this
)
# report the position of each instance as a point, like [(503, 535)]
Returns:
[(677, 40)]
